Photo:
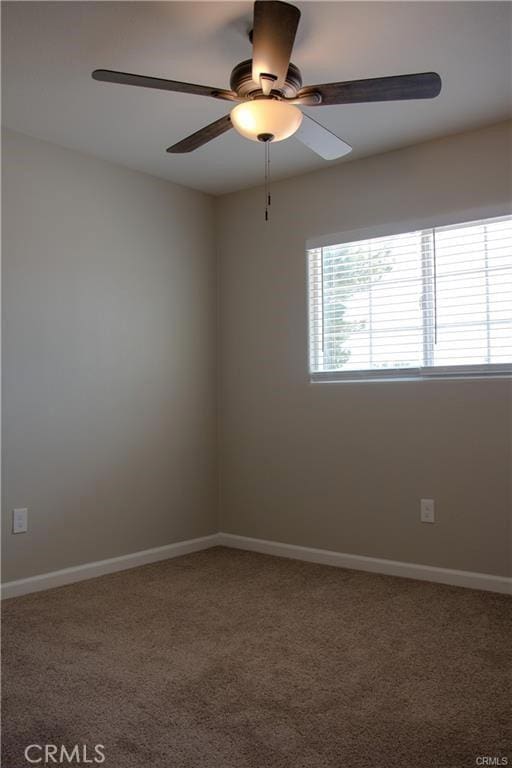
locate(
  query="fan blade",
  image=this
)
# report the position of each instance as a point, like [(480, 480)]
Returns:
[(203, 136), (426, 85), (273, 35), (125, 78), (321, 140)]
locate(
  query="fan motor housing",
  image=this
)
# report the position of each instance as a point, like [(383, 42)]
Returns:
[(242, 83)]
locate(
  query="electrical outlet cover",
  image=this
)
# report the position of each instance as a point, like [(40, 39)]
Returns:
[(427, 511), (20, 520)]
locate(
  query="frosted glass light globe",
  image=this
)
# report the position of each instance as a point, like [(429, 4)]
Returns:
[(266, 116)]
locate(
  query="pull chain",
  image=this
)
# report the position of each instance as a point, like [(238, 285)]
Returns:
[(267, 179)]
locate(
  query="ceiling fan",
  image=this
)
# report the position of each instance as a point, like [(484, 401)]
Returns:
[(270, 89)]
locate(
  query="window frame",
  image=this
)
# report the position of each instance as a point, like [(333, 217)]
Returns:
[(428, 373)]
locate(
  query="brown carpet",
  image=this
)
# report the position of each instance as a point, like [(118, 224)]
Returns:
[(228, 659)]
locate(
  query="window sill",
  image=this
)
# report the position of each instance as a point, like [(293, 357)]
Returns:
[(333, 379)]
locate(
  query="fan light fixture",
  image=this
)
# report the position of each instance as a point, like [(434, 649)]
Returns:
[(269, 86), (266, 119)]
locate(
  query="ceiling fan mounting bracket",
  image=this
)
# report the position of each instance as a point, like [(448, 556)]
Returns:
[(312, 99), (242, 83)]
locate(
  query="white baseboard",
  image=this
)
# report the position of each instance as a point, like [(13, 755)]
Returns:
[(485, 581), (102, 567)]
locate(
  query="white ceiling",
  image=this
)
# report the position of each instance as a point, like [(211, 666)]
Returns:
[(50, 49)]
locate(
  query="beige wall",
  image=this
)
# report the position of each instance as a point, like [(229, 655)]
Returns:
[(343, 466), (109, 369)]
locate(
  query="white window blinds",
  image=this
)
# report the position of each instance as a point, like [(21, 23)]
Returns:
[(433, 302)]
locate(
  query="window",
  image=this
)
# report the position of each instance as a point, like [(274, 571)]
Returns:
[(435, 302)]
